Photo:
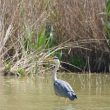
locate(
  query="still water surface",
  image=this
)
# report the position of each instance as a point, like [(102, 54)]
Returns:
[(36, 93)]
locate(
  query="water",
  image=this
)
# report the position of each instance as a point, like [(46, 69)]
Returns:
[(36, 93)]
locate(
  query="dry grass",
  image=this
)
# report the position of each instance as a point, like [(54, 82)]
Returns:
[(17, 18), (80, 21)]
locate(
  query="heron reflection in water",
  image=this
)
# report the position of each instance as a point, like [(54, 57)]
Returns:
[(61, 88)]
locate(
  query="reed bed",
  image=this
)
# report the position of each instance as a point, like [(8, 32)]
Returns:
[(81, 21), (75, 24)]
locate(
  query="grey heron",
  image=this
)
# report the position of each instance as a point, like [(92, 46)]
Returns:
[(61, 88)]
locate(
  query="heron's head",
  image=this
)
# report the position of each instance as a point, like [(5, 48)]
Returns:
[(56, 61)]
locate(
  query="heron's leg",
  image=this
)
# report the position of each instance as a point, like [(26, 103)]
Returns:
[(66, 100)]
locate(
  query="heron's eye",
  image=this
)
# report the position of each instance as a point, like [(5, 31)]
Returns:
[(54, 66)]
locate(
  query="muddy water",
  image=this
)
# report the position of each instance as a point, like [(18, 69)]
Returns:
[(36, 93)]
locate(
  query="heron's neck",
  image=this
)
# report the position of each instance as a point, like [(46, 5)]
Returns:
[(55, 73)]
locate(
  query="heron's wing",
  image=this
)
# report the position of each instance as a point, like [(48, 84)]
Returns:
[(63, 85)]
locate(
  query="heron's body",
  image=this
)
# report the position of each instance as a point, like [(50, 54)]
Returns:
[(62, 88)]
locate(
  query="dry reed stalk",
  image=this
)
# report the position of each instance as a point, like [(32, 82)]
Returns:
[(80, 20), (16, 18)]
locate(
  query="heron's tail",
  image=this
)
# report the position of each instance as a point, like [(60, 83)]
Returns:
[(72, 95)]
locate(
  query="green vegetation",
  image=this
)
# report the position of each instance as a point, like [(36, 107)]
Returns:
[(21, 71), (7, 66), (78, 61), (43, 40)]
